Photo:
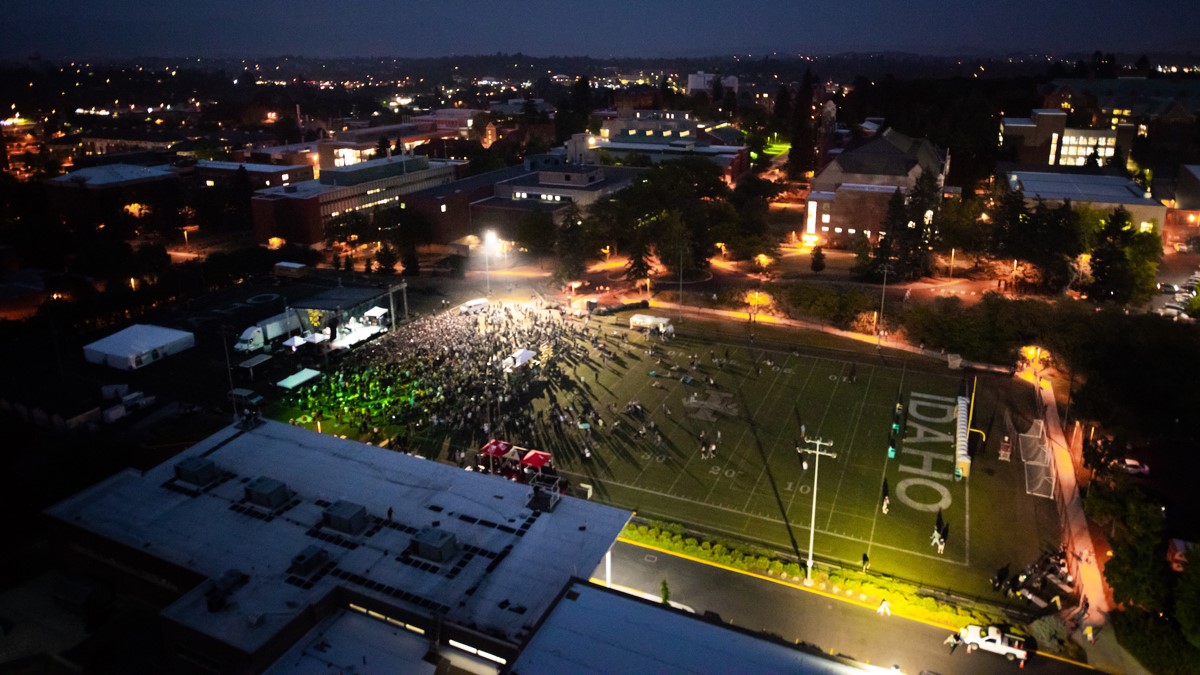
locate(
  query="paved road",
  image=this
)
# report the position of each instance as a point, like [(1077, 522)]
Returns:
[(800, 615)]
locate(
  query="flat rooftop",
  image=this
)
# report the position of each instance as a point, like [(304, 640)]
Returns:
[(595, 630), (340, 297), (509, 564), (251, 167), (112, 175), (1078, 188)]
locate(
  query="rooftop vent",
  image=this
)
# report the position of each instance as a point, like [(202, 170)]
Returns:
[(222, 587), (435, 544), (309, 560), (346, 517), (198, 471), (267, 492)]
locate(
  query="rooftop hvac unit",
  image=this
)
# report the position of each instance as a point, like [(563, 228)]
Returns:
[(436, 545), (345, 517), (267, 492), (222, 587), (198, 471), (309, 560)]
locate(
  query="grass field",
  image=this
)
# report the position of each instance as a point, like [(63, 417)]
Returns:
[(756, 487)]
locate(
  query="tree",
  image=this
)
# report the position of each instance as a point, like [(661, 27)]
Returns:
[(570, 247), (1137, 571), (383, 148), (818, 259), (1187, 602), (638, 266), (1125, 260), (781, 112), (386, 259)]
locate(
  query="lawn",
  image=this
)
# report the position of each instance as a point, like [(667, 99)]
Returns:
[(756, 487)]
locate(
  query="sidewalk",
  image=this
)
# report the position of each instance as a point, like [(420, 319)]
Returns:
[(1105, 654)]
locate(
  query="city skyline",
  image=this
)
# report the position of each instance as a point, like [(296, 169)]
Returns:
[(124, 29)]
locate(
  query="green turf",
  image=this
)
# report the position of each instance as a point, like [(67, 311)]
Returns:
[(756, 488)]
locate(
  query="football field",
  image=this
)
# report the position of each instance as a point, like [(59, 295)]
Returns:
[(704, 430), (756, 484)]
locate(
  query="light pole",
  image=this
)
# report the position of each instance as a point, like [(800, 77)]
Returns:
[(818, 452), (226, 332), (882, 297)]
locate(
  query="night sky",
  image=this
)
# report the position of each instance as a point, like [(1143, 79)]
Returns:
[(222, 28)]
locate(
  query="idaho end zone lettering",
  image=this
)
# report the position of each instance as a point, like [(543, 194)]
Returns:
[(928, 453)]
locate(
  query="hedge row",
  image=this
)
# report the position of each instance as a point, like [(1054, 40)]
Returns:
[(905, 598)]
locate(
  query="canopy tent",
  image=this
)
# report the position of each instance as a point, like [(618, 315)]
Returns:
[(316, 338), (496, 448), (296, 379), (519, 358), (294, 342), (535, 459), (137, 346), (375, 312)]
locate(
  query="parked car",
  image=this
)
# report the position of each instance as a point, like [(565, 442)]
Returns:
[(1131, 465), (1167, 289)]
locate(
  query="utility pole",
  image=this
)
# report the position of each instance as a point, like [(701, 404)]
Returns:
[(818, 452)]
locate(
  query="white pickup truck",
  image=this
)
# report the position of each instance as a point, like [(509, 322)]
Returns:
[(993, 639)]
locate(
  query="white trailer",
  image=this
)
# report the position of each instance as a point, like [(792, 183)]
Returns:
[(267, 331), (647, 322)]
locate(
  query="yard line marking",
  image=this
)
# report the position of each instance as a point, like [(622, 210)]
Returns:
[(846, 448), (815, 359), (748, 429), (883, 475)]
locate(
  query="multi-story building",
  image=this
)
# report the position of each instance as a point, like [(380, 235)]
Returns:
[(850, 195), (297, 213), (645, 149), (210, 174), (1044, 139), (703, 81)]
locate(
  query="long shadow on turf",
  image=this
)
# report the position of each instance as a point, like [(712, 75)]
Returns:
[(770, 477)]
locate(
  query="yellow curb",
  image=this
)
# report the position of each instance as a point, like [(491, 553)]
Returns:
[(833, 596)]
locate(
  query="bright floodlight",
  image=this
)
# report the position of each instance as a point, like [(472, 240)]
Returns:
[(489, 237)]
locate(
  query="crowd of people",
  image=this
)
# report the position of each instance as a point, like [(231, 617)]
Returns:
[(452, 373)]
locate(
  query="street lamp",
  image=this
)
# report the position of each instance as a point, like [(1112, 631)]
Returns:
[(489, 240), (882, 297), (812, 527)]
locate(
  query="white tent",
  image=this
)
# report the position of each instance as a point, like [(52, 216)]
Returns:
[(519, 358), (293, 342), (375, 313), (317, 338), (137, 346)]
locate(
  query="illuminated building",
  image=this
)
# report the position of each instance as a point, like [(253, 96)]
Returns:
[(1044, 139), (850, 195), (298, 213)]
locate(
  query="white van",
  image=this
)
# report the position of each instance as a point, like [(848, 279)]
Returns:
[(473, 306)]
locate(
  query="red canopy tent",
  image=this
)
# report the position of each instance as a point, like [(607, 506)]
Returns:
[(495, 448), (535, 459)]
